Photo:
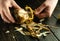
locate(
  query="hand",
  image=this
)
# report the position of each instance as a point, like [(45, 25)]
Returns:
[(5, 12), (46, 9)]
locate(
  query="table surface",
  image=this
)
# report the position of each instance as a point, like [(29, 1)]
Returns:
[(16, 36)]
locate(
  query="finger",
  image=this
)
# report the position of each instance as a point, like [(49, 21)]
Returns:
[(4, 18), (40, 9), (0, 10), (45, 13), (14, 4), (42, 15), (8, 14)]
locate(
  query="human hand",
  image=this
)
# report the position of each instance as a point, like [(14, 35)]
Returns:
[(5, 12), (46, 9)]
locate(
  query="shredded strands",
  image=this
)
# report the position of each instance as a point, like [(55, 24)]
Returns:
[(29, 27)]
